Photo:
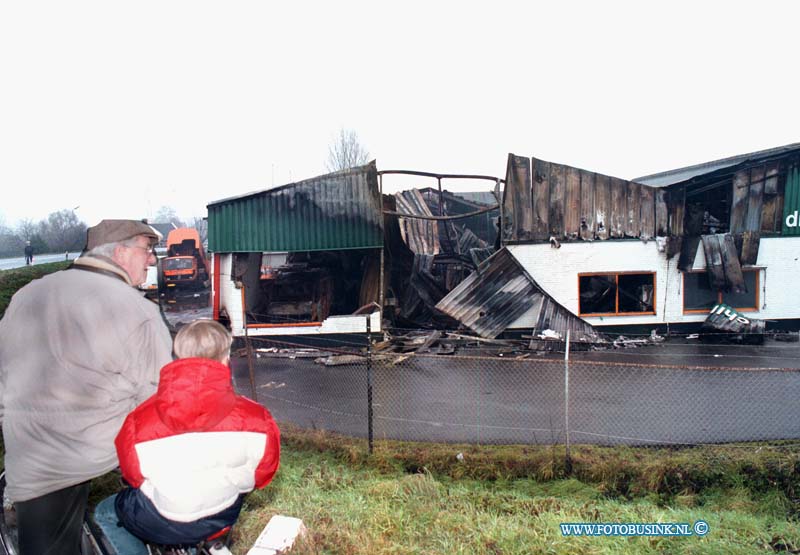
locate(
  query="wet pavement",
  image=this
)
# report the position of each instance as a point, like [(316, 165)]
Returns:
[(680, 391), (182, 315), (674, 392)]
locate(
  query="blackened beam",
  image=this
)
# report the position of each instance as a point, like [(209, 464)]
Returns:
[(456, 217), (441, 175)]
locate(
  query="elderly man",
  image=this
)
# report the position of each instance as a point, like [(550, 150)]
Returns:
[(79, 349)]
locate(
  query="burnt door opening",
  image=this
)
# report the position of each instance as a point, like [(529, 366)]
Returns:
[(305, 287)]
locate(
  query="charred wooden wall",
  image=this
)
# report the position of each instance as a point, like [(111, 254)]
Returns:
[(758, 198), (544, 199)]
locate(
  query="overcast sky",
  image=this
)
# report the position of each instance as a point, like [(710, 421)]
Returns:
[(118, 108)]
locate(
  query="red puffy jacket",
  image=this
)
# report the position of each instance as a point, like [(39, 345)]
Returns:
[(195, 446)]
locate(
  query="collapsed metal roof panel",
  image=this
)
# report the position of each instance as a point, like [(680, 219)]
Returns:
[(340, 210), (421, 236), (492, 297), (679, 175), (500, 291)]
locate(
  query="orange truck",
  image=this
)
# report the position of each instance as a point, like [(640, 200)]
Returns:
[(185, 267)]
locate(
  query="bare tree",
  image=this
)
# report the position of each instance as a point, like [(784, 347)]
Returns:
[(26, 229), (201, 225), (63, 231), (346, 152), (167, 215), (10, 243)]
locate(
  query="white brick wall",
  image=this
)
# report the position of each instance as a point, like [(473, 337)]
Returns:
[(556, 271)]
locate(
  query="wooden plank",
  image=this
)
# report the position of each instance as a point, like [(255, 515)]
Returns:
[(693, 228), (755, 199), (518, 197), (647, 213), (693, 222), (602, 206), (688, 248), (781, 199), (674, 246), (676, 202), (572, 203), (662, 213), (587, 206), (741, 185), (771, 178), (716, 272), (749, 251), (541, 200), (734, 280), (770, 217), (557, 186), (619, 201), (632, 221)]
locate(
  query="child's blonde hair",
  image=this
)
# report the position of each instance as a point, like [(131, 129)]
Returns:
[(203, 338)]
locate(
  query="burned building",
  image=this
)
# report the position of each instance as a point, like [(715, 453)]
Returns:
[(566, 250), (660, 249), (299, 259)]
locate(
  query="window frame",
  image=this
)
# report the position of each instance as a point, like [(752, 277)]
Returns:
[(720, 300), (616, 299)]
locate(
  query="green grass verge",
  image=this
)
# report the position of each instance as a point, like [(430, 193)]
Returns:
[(354, 504), (420, 498), (13, 280)]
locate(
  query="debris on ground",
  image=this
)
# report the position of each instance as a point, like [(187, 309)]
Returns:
[(550, 334), (623, 342), (344, 360), (275, 352), (786, 336), (726, 325), (278, 536), (341, 360), (272, 385)]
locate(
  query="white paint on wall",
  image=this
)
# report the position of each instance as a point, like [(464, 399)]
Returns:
[(556, 271)]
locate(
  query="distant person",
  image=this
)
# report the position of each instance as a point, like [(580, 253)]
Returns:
[(99, 347), (28, 253), (194, 449)]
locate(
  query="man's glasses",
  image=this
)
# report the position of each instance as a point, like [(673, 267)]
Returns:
[(149, 249)]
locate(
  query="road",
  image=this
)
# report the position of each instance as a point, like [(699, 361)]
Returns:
[(19, 262), (698, 394)]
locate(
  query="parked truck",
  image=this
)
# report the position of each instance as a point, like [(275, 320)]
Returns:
[(184, 269)]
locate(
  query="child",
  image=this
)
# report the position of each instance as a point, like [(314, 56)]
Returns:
[(193, 450)]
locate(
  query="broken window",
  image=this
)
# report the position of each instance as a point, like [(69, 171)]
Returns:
[(616, 293), (698, 295), (708, 208)]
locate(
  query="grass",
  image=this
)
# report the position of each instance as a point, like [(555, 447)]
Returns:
[(410, 498), (354, 504)]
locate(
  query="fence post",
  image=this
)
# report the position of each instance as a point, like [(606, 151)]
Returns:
[(250, 365), (369, 382), (568, 458)]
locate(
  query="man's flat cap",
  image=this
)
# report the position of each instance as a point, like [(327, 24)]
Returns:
[(114, 231)]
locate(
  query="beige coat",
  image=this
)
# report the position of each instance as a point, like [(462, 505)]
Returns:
[(78, 351)]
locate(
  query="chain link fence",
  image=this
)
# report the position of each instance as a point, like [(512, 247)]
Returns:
[(523, 398)]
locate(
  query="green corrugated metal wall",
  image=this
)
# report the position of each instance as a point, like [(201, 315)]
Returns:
[(334, 211), (791, 203)]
